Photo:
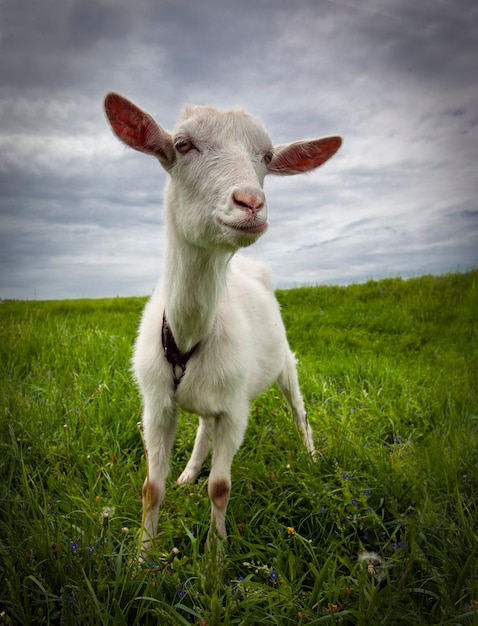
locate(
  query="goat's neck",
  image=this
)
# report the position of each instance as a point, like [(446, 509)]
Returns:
[(194, 279)]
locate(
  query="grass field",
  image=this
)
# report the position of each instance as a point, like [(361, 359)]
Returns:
[(389, 372)]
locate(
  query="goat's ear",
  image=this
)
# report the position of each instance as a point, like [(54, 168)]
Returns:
[(138, 129), (303, 156)]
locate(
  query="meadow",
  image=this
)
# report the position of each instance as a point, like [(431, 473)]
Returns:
[(389, 372)]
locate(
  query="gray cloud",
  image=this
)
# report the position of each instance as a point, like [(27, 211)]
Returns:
[(80, 215)]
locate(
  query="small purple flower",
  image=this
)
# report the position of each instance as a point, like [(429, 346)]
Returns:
[(71, 600), (345, 476), (367, 493), (354, 502), (323, 509), (234, 589), (181, 593), (73, 546), (273, 576)]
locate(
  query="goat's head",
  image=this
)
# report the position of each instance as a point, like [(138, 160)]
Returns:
[(217, 161)]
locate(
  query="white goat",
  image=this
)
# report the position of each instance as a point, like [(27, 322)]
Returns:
[(213, 312)]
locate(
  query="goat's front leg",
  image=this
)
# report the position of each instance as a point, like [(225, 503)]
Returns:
[(228, 434), (200, 450), (159, 433)]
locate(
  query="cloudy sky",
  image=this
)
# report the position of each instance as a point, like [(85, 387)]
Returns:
[(81, 216)]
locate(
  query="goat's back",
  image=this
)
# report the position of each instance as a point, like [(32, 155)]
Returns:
[(255, 269)]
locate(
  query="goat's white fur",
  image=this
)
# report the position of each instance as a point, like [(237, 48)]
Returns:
[(214, 204)]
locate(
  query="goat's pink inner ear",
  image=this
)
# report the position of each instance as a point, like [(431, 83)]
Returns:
[(304, 156), (127, 121), (133, 126)]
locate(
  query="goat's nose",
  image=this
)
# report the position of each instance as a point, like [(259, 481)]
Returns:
[(249, 200)]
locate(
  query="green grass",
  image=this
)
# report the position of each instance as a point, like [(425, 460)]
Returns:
[(389, 372)]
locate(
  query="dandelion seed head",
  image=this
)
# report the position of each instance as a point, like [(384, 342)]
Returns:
[(108, 512), (375, 564)]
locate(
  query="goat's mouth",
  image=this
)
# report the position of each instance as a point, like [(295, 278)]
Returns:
[(245, 228)]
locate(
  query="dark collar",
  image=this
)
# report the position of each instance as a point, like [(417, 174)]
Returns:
[(177, 359)]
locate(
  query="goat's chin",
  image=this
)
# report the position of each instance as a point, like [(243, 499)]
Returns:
[(243, 234)]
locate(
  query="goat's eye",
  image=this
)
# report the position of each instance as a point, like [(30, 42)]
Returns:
[(184, 145), (268, 157)]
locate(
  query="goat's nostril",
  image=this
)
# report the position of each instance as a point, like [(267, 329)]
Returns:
[(248, 201), (240, 202)]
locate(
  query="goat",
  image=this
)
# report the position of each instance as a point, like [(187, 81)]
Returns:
[(211, 336)]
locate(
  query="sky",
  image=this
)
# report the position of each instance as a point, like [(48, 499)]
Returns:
[(81, 215)]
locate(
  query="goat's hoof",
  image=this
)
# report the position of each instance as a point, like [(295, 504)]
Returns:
[(186, 478)]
